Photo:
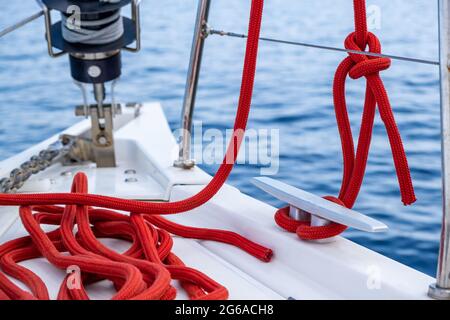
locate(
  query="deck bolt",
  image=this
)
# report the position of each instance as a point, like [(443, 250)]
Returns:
[(102, 140), (131, 180), (66, 173), (130, 171)]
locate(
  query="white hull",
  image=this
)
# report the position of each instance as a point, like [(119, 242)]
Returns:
[(299, 270)]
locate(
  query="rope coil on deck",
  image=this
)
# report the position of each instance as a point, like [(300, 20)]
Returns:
[(357, 66), (145, 271)]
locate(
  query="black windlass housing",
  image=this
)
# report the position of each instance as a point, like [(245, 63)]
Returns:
[(92, 62)]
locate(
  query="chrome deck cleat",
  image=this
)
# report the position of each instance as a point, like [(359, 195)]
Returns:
[(307, 206)]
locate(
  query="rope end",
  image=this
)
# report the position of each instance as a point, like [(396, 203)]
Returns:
[(267, 256), (409, 201)]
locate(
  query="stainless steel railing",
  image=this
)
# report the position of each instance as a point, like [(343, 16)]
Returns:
[(200, 33), (441, 289)]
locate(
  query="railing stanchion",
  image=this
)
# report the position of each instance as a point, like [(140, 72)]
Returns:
[(184, 161), (441, 289)]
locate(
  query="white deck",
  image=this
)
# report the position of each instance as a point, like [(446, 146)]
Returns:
[(299, 270)]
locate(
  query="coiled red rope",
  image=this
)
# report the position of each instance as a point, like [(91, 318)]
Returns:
[(357, 66), (146, 269)]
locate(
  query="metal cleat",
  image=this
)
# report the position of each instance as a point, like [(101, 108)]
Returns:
[(305, 206)]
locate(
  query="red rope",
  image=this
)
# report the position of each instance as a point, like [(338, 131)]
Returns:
[(357, 66), (146, 269)]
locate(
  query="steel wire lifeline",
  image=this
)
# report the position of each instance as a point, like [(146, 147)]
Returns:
[(357, 66), (146, 270)]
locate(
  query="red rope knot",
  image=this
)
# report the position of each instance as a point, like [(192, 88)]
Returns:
[(355, 160), (304, 229), (366, 65)]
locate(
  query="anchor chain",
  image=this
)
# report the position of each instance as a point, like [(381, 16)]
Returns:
[(37, 163)]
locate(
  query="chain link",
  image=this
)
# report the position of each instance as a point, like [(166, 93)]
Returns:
[(36, 164)]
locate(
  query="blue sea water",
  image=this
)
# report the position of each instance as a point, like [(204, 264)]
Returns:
[(292, 94)]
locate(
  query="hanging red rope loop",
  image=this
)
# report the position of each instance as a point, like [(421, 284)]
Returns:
[(357, 66), (146, 269)]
